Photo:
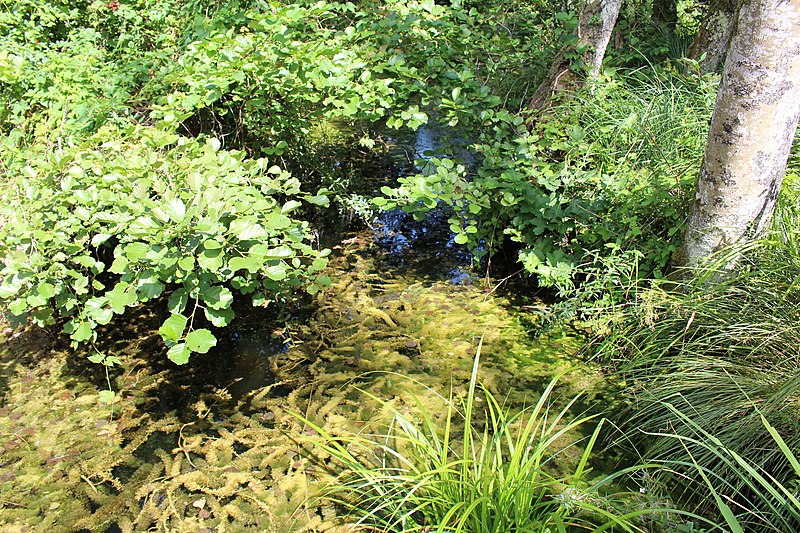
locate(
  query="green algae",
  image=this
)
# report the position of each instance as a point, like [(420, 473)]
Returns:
[(182, 451)]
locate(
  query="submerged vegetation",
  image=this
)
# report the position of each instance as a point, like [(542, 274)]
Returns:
[(313, 266)]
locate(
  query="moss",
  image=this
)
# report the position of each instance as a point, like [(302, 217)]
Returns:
[(181, 453)]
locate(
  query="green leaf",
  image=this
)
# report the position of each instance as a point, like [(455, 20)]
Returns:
[(103, 316), (107, 396), (46, 290), (175, 209), (211, 260), (186, 263), (136, 251), (179, 354), (290, 206), (251, 263), (280, 252), (320, 200), (8, 290), (18, 306), (120, 265), (217, 297), (100, 238), (276, 272), (461, 238), (150, 288), (247, 228), (219, 317), (172, 328), (200, 340), (120, 297), (83, 332), (251, 232), (277, 222), (177, 301)]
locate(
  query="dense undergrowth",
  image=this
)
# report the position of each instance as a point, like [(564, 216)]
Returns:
[(185, 158), (711, 372)]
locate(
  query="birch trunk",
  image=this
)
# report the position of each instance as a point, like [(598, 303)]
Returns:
[(714, 35), (595, 25), (752, 128)]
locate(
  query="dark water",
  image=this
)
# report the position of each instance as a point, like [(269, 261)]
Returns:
[(397, 242)]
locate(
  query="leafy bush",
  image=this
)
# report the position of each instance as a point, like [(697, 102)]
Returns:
[(129, 216), (474, 474), (597, 191)]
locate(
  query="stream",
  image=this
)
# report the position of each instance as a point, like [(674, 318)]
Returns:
[(216, 445)]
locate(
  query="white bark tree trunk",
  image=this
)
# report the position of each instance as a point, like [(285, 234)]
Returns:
[(752, 128), (595, 24)]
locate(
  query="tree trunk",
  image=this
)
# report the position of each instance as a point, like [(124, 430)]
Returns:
[(714, 35), (595, 24), (752, 128)]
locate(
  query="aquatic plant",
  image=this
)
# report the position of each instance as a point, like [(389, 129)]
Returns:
[(185, 450), (474, 469)]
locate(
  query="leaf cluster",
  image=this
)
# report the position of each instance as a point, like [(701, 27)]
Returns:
[(129, 217), (593, 194)]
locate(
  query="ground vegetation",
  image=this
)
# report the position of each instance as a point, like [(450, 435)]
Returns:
[(363, 196)]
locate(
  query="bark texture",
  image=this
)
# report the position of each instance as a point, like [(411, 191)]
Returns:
[(714, 35), (752, 128), (595, 25)]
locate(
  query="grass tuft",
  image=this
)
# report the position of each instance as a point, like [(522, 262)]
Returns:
[(482, 469), (711, 366)]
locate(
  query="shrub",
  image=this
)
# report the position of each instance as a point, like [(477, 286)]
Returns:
[(596, 191), (128, 217)]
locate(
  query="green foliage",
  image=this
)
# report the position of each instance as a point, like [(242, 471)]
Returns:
[(473, 471), (594, 194), (586, 203), (715, 360), (115, 116), (757, 500), (131, 216)]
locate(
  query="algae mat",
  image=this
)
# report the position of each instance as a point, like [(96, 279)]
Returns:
[(194, 449)]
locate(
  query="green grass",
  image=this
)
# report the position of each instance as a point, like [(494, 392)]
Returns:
[(711, 366), (758, 500), (480, 469)]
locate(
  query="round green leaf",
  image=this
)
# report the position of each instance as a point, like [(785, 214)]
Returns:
[(179, 354), (172, 328), (200, 340)]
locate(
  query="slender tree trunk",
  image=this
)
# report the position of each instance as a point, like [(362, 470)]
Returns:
[(752, 128), (595, 25), (714, 35)]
